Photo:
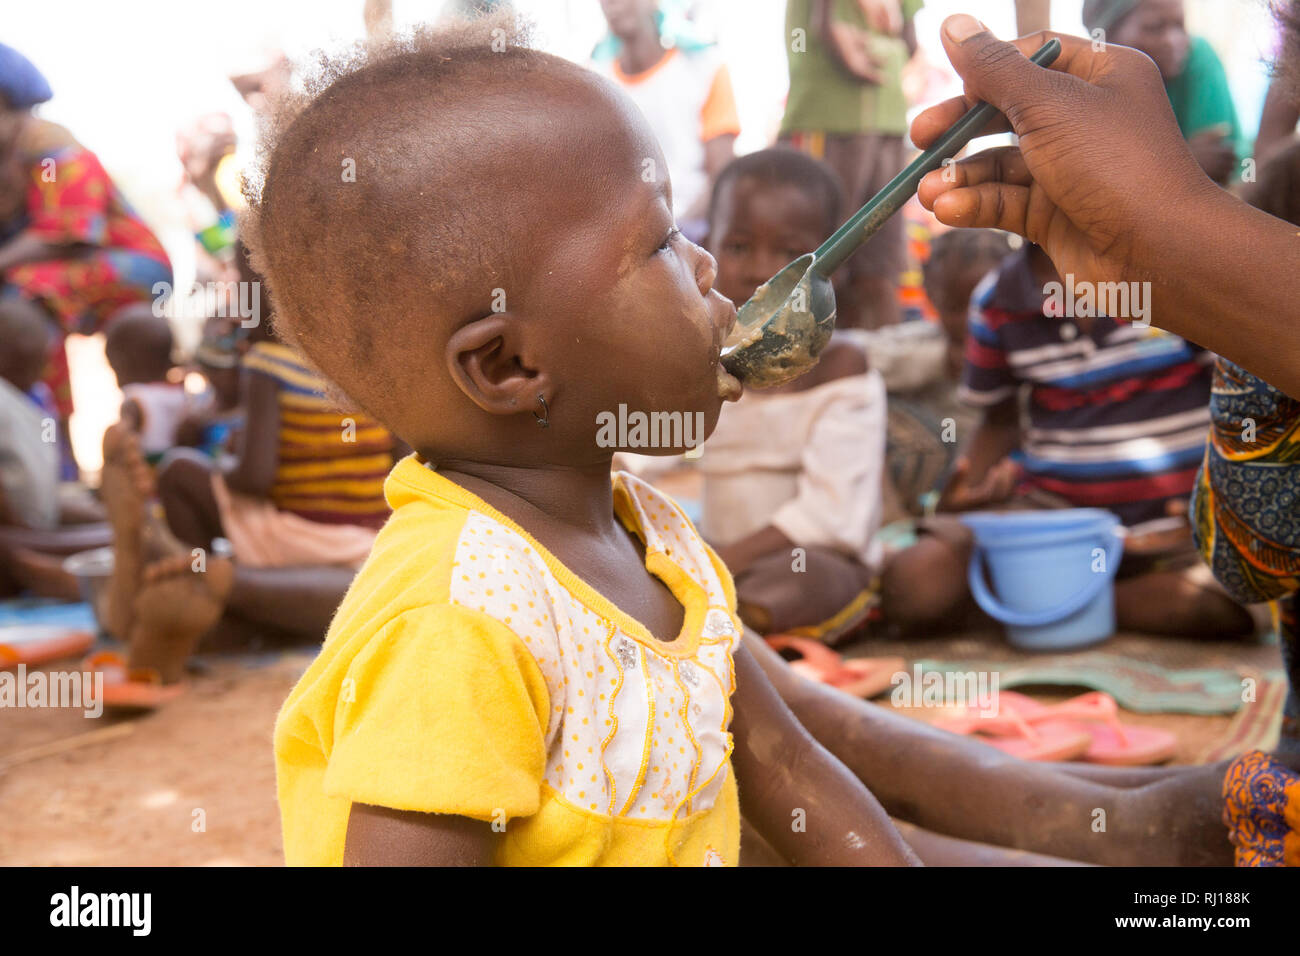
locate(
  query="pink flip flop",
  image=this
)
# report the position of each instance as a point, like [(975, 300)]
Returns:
[(1114, 743), (1094, 715), (1011, 730), (129, 689), (860, 676)]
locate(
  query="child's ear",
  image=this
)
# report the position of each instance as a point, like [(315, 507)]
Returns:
[(484, 360)]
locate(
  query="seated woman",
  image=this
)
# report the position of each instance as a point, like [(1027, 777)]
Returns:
[(1246, 518), (1194, 78), (67, 236)]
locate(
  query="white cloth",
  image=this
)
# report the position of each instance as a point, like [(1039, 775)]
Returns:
[(910, 355), (163, 406), (808, 463), (684, 105), (29, 460)]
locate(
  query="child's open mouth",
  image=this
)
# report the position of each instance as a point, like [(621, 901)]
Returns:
[(729, 387)]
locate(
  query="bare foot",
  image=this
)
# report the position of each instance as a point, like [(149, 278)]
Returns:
[(179, 600), (125, 487)]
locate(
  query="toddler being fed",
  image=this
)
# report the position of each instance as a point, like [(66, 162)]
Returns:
[(537, 664)]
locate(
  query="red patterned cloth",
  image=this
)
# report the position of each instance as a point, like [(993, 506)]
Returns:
[(113, 259)]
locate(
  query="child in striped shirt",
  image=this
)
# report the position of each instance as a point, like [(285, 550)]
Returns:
[(1115, 416)]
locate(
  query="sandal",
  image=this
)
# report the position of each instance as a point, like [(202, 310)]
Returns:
[(1094, 715), (1010, 729), (130, 689), (860, 676), (36, 645)]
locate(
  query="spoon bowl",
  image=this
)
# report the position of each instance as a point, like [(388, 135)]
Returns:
[(781, 331)]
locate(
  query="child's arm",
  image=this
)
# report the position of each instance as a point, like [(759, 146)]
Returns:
[(380, 836), (984, 476), (252, 471), (796, 794)]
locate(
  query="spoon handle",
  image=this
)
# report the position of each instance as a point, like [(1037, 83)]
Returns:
[(864, 223)]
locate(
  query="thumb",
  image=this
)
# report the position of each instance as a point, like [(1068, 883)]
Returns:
[(992, 69)]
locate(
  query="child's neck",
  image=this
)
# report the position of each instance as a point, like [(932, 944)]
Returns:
[(641, 52), (559, 498)]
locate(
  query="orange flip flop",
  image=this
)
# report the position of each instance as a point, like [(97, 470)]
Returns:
[(860, 676), (36, 645), (130, 689), (1010, 730)]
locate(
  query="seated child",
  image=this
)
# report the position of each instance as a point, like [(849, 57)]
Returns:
[(1116, 419), (537, 664), (306, 486), (300, 500), (212, 427), (927, 423), (138, 346), (793, 475), (29, 458), (38, 525), (791, 496)]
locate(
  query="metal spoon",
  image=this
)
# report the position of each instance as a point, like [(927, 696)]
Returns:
[(787, 322)]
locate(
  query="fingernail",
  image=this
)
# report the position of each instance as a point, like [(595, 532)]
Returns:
[(962, 27)]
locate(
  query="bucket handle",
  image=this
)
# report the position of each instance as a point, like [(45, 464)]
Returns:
[(994, 608)]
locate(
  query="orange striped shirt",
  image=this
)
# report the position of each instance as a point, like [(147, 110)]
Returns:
[(332, 463)]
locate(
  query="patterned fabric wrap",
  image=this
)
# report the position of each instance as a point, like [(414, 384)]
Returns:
[(1262, 811), (1246, 509)]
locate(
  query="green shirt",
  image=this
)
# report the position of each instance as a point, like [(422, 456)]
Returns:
[(823, 96), (1200, 95)]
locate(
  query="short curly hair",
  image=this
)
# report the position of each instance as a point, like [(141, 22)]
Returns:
[(379, 204)]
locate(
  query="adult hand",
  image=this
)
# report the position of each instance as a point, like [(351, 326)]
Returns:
[(850, 46), (1099, 147)]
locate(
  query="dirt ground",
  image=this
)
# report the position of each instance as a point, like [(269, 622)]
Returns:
[(194, 784)]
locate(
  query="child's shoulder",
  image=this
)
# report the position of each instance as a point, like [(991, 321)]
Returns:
[(443, 580), (440, 546)]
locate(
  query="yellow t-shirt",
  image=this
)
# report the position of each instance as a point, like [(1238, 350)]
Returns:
[(468, 672)]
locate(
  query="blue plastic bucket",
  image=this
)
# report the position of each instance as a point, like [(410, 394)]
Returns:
[(1052, 573)]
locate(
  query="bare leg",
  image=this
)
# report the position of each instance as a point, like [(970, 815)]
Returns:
[(126, 486), (960, 787), (1118, 776), (935, 849), (923, 588), (774, 597), (33, 559), (1176, 603), (300, 601)]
